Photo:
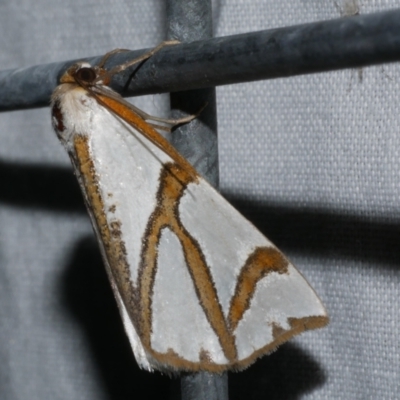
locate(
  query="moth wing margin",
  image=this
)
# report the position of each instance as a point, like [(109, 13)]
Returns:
[(280, 302)]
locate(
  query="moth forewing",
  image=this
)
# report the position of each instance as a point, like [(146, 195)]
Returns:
[(198, 287)]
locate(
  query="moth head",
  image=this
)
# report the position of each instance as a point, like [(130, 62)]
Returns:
[(82, 73)]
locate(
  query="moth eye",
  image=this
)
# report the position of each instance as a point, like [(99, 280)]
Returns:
[(86, 75)]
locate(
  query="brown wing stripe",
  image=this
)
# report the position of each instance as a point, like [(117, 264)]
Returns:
[(129, 116), (261, 262), (110, 233), (173, 182), (297, 326)]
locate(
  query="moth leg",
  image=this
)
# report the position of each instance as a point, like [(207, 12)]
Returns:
[(108, 55), (147, 117), (143, 57), (142, 114), (168, 121), (172, 122), (161, 127)]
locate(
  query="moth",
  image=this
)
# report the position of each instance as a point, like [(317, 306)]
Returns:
[(197, 285)]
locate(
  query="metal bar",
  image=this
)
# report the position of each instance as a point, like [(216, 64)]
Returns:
[(187, 21), (317, 47), (190, 20), (204, 386)]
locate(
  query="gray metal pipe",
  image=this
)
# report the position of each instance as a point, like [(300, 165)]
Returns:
[(322, 46)]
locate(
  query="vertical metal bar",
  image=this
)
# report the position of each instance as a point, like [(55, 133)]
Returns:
[(190, 20), (204, 386), (187, 21)]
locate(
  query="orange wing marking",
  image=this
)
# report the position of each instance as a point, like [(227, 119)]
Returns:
[(114, 246), (173, 182), (261, 262)]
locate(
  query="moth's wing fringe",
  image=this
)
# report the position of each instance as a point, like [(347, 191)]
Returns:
[(309, 323)]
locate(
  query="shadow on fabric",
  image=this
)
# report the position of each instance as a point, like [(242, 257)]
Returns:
[(307, 231), (87, 295), (285, 374)]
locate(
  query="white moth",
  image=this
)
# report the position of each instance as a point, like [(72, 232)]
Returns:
[(197, 285)]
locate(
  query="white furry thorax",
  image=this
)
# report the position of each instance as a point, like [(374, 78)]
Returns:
[(72, 111)]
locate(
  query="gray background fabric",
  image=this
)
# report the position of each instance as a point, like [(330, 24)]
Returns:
[(313, 161)]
